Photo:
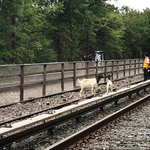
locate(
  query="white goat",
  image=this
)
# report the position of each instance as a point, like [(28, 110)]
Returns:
[(86, 83), (109, 85)]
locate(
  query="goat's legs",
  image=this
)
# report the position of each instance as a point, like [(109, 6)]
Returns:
[(81, 91), (111, 88), (92, 90), (107, 89)]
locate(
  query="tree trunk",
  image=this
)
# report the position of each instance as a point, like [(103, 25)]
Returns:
[(87, 42), (13, 42)]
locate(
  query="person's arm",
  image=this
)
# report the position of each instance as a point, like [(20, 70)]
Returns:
[(147, 62)]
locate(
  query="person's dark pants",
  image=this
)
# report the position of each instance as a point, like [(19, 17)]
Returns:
[(146, 74)]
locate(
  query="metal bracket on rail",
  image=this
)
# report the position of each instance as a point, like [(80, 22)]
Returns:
[(116, 101), (6, 126)]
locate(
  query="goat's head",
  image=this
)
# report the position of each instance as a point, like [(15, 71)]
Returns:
[(108, 76), (98, 77)]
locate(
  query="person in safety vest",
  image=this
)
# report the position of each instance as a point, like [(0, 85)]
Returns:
[(146, 62)]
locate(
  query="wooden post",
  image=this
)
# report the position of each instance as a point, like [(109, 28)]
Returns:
[(124, 72), (129, 67), (74, 75), (117, 68), (22, 83), (112, 69), (135, 67), (96, 68), (138, 65), (62, 76), (87, 69), (44, 80), (105, 70)]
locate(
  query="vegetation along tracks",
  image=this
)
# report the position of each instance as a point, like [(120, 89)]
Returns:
[(92, 104)]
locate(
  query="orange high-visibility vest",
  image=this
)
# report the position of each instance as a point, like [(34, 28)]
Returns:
[(145, 63)]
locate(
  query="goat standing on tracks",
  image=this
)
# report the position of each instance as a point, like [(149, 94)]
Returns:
[(109, 85), (92, 83)]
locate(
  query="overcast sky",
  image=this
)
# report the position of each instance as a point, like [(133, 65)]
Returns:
[(135, 4)]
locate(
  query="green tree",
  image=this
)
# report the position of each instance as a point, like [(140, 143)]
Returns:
[(136, 33), (23, 31), (75, 33), (110, 34)]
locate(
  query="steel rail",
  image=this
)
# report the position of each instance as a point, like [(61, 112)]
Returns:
[(73, 139), (74, 90), (39, 112), (45, 110), (30, 100), (22, 135)]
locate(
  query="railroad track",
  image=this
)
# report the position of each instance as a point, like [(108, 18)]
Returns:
[(45, 109), (72, 111), (107, 133)]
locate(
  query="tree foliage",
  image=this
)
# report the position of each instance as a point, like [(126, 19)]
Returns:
[(34, 31)]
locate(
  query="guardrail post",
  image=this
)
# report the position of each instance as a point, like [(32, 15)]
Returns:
[(44, 80), (112, 69), (124, 68), (87, 69), (62, 76), (22, 83), (74, 75), (105, 70), (96, 68), (135, 66), (129, 67), (138, 65), (117, 68)]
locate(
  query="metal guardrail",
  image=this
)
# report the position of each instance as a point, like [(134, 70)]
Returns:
[(25, 75)]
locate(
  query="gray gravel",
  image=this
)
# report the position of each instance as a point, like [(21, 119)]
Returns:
[(133, 132), (43, 140)]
